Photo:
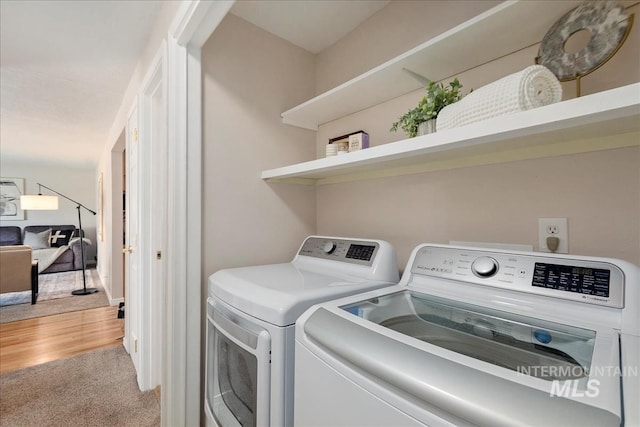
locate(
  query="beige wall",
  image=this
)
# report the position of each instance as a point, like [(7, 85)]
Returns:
[(598, 192), (622, 69), (249, 78), (400, 26)]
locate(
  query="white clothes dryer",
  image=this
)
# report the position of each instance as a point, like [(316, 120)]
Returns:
[(477, 337), (251, 315)]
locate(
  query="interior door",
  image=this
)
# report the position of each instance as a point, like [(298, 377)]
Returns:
[(132, 258)]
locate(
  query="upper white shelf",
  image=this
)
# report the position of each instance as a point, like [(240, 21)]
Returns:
[(594, 122), (472, 43)]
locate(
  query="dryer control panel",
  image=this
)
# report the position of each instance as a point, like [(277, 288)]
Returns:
[(593, 282), (360, 252)]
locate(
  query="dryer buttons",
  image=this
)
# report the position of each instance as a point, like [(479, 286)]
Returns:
[(329, 247)]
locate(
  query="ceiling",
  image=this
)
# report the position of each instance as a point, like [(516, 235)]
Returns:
[(64, 69), (312, 25), (65, 64)]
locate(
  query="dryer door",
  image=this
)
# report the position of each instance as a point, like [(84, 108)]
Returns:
[(238, 374)]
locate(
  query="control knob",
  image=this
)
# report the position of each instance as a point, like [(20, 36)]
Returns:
[(329, 247), (484, 266)]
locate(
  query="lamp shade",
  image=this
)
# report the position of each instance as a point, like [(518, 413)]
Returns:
[(39, 203)]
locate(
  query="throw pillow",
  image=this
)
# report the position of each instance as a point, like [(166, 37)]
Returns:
[(38, 240), (60, 237)]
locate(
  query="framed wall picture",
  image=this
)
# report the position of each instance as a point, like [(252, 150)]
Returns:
[(101, 207), (10, 191)]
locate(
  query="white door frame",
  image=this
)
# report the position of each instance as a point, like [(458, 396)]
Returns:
[(181, 403), (152, 162)]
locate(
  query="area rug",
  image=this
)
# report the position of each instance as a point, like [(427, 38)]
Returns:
[(54, 297), (98, 388)]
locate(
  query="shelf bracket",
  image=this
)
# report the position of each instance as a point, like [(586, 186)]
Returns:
[(422, 79)]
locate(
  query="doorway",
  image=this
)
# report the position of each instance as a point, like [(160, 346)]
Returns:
[(116, 220), (145, 225)]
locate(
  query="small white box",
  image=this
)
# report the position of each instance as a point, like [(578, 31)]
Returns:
[(358, 141)]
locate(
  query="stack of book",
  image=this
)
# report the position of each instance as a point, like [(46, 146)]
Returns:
[(348, 143)]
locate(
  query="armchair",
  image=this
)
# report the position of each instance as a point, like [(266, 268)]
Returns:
[(17, 271)]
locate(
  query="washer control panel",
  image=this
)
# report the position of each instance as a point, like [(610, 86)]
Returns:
[(360, 252), (592, 282)]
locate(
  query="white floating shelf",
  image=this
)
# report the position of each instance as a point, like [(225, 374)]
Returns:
[(472, 43), (590, 123)]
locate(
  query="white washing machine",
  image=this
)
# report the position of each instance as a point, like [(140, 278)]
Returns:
[(477, 337), (251, 315)]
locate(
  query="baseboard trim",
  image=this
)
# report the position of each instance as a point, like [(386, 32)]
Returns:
[(115, 301)]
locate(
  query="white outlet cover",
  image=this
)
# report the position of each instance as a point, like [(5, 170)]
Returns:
[(563, 234)]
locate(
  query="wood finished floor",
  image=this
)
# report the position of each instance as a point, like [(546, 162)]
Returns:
[(31, 342)]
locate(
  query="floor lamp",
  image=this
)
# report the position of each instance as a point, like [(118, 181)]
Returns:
[(41, 202)]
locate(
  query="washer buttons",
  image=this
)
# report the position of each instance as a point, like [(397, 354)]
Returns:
[(484, 266)]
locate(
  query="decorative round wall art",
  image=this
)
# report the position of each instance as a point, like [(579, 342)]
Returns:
[(608, 24)]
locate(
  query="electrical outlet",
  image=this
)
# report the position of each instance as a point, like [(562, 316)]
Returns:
[(553, 227)]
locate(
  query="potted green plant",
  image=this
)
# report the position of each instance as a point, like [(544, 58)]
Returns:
[(438, 96)]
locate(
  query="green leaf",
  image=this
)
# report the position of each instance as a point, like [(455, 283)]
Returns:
[(438, 96)]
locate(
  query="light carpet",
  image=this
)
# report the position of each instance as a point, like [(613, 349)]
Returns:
[(54, 297), (98, 388)]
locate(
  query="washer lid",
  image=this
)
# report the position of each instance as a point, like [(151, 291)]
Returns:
[(461, 387), (516, 342), (280, 293)]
